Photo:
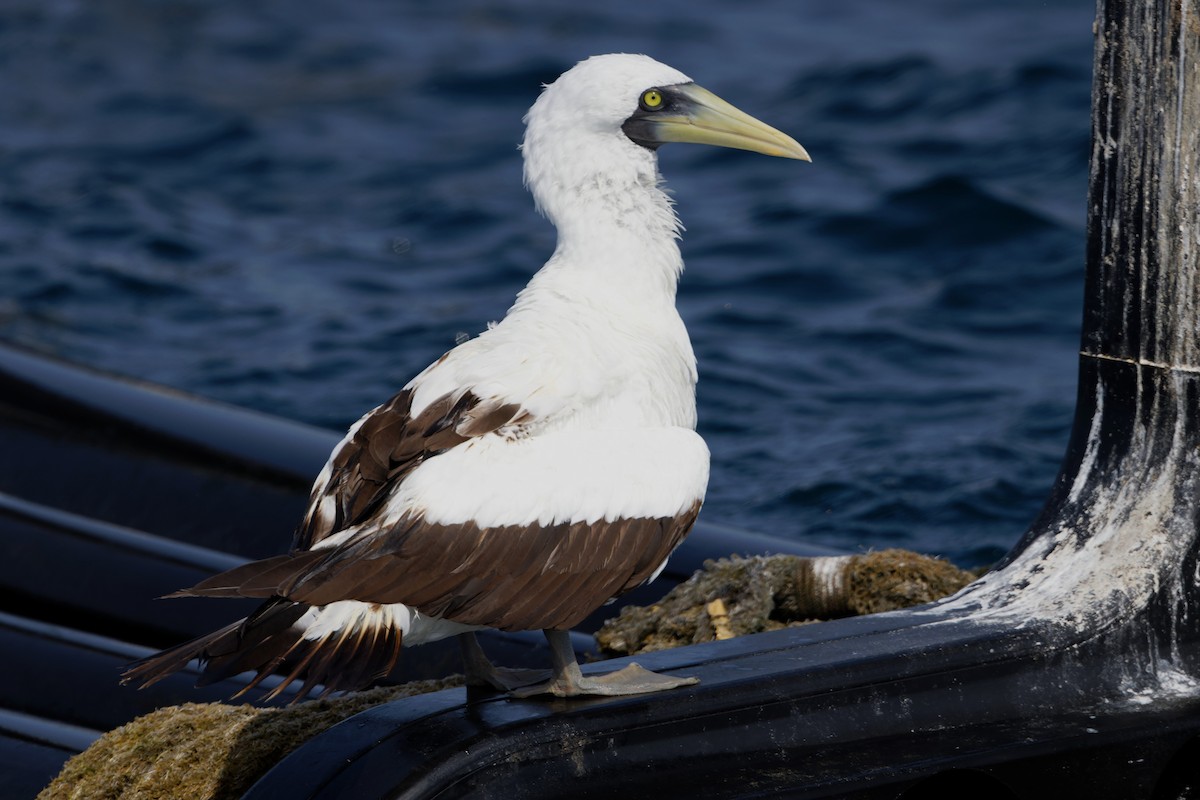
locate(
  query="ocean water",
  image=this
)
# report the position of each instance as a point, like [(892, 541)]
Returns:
[(295, 207)]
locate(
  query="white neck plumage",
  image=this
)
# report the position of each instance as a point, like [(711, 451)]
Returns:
[(617, 229)]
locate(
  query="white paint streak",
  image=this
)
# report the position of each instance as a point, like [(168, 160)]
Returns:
[(1181, 88), (1109, 561), (1090, 450), (1144, 362), (1169, 682)]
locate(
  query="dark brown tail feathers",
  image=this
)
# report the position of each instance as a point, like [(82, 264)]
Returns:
[(350, 657)]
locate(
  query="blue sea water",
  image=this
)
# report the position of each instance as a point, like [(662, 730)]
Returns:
[(295, 207)]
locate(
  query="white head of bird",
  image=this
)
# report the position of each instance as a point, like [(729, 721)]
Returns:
[(598, 126), (590, 145), (590, 162)]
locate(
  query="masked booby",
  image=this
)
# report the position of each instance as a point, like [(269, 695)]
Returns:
[(535, 472)]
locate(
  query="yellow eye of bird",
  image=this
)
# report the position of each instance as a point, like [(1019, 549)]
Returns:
[(652, 99)]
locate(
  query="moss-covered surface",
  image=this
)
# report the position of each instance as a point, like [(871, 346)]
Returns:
[(207, 751), (770, 592), (891, 579)]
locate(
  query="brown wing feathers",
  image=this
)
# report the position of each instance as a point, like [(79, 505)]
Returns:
[(511, 577), (255, 579), (261, 639), (508, 577), (500, 577), (365, 649), (388, 444)]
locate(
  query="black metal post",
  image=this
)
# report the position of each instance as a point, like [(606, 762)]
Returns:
[(1118, 538)]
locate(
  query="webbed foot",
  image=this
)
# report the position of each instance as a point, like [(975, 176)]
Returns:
[(480, 671), (569, 681), (633, 679)]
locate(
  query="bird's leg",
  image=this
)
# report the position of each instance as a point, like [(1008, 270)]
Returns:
[(569, 681), (482, 672)]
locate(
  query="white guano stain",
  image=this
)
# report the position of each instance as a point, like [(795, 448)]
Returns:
[(1089, 453), (1109, 560)]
